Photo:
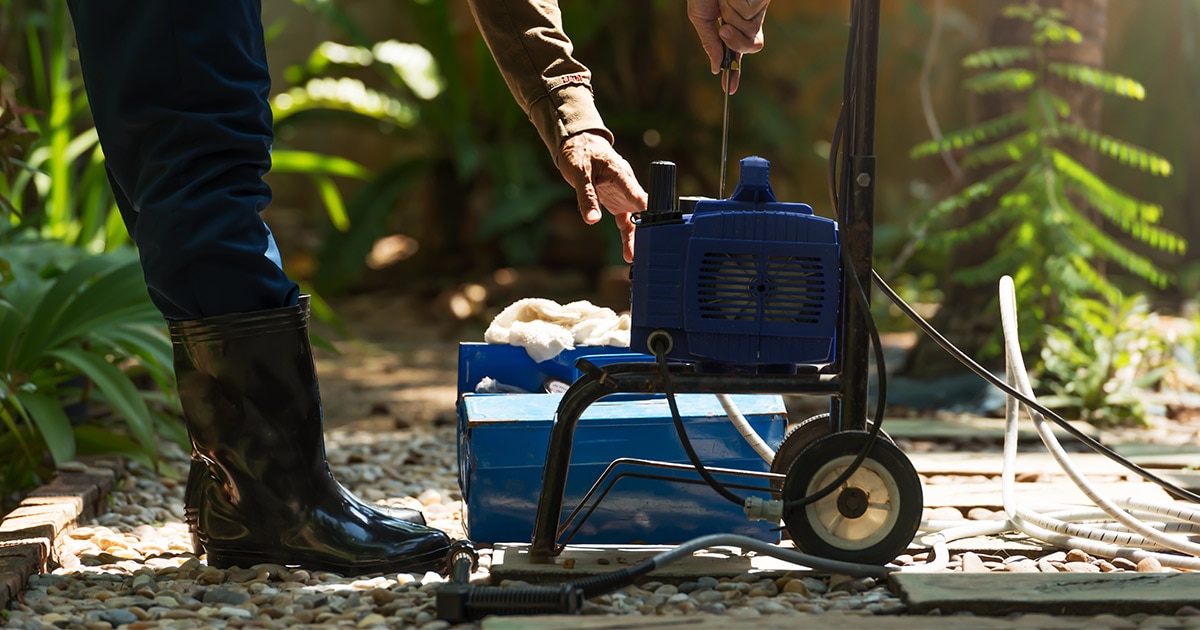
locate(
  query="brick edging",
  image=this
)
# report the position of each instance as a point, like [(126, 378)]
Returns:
[(29, 534)]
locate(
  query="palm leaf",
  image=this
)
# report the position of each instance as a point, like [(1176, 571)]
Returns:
[(51, 421), (94, 440), (335, 206), (116, 387), (344, 95), (44, 319)]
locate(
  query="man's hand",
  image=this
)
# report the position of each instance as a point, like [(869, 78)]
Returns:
[(733, 23), (602, 177)]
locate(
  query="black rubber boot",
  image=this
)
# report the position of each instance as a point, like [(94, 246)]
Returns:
[(262, 491)]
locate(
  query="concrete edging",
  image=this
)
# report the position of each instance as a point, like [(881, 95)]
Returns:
[(30, 533)]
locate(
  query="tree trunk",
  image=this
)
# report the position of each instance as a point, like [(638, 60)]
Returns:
[(967, 315)]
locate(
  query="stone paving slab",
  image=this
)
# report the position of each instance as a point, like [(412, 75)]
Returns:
[(992, 464), (511, 561), (968, 427), (989, 495), (1057, 593), (838, 621)]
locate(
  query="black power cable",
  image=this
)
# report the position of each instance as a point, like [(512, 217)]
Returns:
[(1092, 443)]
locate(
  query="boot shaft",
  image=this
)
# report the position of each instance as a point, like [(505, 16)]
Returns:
[(248, 388)]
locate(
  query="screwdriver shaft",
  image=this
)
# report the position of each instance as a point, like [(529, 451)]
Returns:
[(724, 135), (729, 64)]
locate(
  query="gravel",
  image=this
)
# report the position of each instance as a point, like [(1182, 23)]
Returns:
[(133, 567)]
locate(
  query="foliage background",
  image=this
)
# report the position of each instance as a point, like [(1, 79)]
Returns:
[(658, 97)]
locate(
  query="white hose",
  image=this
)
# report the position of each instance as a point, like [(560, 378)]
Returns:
[(747, 431), (1130, 536), (1097, 541)]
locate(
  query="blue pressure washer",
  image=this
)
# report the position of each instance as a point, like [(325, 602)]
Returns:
[(750, 295)]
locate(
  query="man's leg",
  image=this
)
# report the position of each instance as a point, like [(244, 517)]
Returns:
[(179, 94), (179, 91)]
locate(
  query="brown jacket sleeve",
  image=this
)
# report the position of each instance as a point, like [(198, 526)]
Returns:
[(534, 54)]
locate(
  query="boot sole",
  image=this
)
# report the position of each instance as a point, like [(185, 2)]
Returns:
[(429, 561)]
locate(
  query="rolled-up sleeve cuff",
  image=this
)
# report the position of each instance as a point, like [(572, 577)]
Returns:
[(567, 109)]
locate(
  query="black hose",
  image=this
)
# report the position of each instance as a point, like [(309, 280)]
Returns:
[(720, 489), (459, 603)]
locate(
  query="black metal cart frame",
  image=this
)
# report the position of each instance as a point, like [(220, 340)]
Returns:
[(845, 382)]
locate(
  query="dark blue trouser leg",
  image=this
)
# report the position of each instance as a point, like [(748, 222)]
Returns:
[(178, 90)]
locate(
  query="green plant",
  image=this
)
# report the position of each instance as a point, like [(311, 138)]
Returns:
[(63, 192), (1099, 364), (78, 329), (1051, 217), (14, 144), (459, 130)]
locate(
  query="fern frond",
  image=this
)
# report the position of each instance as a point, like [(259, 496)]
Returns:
[(971, 194), (990, 130), (1014, 149), (1010, 80), (1110, 249), (1090, 277), (1124, 152), (1004, 214), (1103, 80), (1135, 218), (1004, 262), (1001, 57), (1152, 235), (1118, 207)]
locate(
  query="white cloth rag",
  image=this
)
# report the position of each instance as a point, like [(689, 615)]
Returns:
[(545, 327)]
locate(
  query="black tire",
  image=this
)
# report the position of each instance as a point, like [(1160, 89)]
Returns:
[(872, 518), (798, 437)]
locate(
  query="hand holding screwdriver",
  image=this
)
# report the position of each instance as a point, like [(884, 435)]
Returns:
[(733, 25)]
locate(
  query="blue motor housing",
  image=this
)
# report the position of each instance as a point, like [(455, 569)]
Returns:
[(749, 283)]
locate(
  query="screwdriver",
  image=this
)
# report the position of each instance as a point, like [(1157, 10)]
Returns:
[(729, 64)]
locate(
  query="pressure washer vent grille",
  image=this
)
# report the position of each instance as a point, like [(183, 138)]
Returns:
[(746, 287), (762, 301)]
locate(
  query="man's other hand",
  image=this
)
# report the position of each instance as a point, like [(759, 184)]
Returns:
[(602, 179)]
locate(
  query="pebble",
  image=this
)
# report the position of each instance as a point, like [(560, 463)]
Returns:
[(1149, 565), (133, 566)]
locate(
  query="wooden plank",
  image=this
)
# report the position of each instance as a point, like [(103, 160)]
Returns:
[(989, 495), (1052, 593), (992, 464), (832, 620), (511, 562), (971, 427)]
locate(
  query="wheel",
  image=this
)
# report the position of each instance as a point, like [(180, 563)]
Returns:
[(798, 437), (871, 518)]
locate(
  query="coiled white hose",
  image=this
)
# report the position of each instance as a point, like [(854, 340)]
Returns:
[(1140, 526), (1130, 537), (1097, 541)]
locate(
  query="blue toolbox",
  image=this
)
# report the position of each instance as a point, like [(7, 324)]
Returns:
[(503, 437)]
